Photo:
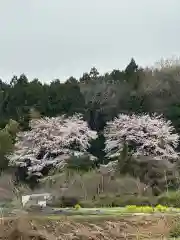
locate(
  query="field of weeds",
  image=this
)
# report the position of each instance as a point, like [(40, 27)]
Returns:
[(67, 228)]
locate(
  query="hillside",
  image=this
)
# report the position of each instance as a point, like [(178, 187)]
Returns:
[(98, 129)]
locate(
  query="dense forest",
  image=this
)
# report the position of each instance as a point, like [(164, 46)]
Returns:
[(99, 99)]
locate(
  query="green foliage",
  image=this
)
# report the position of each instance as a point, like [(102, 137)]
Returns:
[(160, 208), (21, 96), (147, 209), (6, 147), (137, 209), (12, 127), (171, 199), (34, 114), (67, 201), (80, 164), (77, 206), (113, 201), (87, 204), (63, 202), (97, 149), (125, 161)]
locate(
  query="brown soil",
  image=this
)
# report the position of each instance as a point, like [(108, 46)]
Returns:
[(137, 227)]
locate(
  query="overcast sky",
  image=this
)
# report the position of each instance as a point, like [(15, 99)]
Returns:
[(52, 39)]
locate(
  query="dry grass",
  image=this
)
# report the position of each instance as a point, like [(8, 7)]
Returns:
[(139, 227)]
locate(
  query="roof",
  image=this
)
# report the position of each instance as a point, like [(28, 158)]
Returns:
[(38, 194)]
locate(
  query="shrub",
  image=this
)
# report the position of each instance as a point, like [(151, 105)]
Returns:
[(131, 208), (87, 204), (134, 200), (77, 206), (171, 199), (160, 208), (80, 163), (104, 201), (121, 201), (141, 209), (64, 201), (146, 209), (69, 201), (56, 203)]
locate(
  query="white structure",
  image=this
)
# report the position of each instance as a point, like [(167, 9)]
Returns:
[(36, 199)]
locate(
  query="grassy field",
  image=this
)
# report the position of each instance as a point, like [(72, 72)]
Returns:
[(116, 211)]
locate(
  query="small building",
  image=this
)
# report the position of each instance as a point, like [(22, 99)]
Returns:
[(36, 199)]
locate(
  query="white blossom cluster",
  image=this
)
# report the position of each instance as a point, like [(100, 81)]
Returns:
[(57, 135), (149, 135)]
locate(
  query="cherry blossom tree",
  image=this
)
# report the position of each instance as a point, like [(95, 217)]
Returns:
[(145, 135), (51, 141)]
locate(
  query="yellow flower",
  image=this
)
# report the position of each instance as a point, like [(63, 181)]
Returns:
[(77, 206)]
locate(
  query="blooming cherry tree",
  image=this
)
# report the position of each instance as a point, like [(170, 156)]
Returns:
[(146, 135), (51, 141)]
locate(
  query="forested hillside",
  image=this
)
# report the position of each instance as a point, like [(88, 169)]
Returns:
[(98, 99)]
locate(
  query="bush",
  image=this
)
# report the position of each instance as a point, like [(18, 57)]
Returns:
[(63, 202), (81, 163), (6, 204), (69, 201), (77, 206), (54, 204), (87, 204), (104, 202), (141, 209), (147, 209), (170, 199), (134, 200), (111, 201)]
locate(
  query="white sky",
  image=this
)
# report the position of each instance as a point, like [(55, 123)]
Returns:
[(52, 39)]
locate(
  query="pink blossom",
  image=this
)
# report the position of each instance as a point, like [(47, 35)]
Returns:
[(59, 135), (151, 135)]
